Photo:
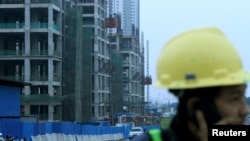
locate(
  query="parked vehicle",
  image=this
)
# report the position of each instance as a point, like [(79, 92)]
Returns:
[(135, 131), (1, 137)]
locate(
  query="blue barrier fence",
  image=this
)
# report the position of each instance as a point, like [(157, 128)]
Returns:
[(25, 129)]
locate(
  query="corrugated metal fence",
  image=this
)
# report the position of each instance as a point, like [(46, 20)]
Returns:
[(47, 131), (63, 137), (24, 129)]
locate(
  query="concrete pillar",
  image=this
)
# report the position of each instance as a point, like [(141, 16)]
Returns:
[(96, 100), (50, 17), (27, 75), (50, 113), (50, 89), (27, 27), (27, 70), (50, 33), (50, 77), (27, 109), (26, 87), (27, 1)]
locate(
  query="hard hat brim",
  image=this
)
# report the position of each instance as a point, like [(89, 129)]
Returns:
[(241, 77)]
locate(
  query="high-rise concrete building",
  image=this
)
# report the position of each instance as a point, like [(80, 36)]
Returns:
[(124, 37), (129, 11), (61, 48), (130, 18), (97, 86), (31, 51), (73, 64)]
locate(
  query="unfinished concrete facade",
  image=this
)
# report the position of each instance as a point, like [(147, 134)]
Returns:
[(93, 16), (124, 38), (68, 60), (30, 47)]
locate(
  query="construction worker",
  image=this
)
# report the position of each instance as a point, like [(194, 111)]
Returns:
[(203, 69)]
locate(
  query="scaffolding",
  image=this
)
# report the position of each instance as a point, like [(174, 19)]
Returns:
[(87, 72), (73, 64), (117, 87)]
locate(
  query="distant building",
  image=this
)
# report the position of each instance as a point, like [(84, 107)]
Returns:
[(129, 11), (124, 38)]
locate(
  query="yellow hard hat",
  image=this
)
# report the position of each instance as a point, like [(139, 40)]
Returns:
[(197, 58)]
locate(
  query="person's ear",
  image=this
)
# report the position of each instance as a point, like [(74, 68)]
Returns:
[(191, 102)]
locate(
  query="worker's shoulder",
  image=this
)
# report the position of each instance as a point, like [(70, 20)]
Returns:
[(143, 137)]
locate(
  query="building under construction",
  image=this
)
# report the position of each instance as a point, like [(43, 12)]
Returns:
[(31, 51), (124, 38), (88, 86), (73, 59), (107, 73), (63, 49)]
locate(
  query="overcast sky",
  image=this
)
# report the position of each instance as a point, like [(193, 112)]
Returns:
[(162, 19)]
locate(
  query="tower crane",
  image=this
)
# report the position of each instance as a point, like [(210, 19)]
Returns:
[(148, 79)]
